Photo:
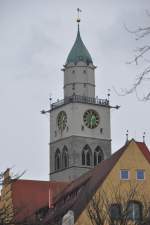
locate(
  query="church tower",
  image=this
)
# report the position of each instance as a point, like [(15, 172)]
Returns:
[(80, 123)]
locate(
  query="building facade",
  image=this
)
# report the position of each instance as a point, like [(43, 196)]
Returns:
[(80, 136)]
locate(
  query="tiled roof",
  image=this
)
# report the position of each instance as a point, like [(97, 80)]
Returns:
[(76, 195), (144, 149), (30, 195)]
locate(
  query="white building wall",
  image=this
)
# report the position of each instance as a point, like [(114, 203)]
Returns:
[(80, 80), (75, 112)]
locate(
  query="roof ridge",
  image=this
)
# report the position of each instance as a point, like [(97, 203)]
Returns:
[(44, 181)]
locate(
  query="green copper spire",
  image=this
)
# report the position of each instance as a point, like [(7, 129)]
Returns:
[(79, 52)]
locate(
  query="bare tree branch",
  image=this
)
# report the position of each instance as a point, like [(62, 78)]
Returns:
[(142, 53), (99, 212)]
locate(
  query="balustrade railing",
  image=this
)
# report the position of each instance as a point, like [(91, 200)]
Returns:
[(80, 99)]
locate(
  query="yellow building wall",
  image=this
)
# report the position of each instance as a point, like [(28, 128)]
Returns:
[(132, 159)]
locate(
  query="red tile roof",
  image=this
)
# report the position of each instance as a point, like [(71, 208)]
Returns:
[(29, 195), (144, 149)]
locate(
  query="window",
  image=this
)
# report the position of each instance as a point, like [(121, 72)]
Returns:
[(115, 211), (86, 156), (65, 159), (57, 159), (98, 156), (124, 174), (83, 157), (134, 211), (140, 175)]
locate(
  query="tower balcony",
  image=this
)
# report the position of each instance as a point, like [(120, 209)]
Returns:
[(80, 99)]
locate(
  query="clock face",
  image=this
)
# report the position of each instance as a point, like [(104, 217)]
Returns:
[(91, 118), (62, 120)]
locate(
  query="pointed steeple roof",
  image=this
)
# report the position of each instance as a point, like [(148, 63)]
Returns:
[(79, 52)]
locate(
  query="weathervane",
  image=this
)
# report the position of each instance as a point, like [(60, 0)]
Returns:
[(78, 18)]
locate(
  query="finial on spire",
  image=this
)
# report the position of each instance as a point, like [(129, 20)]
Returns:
[(78, 18), (144, 134), (127, 135)]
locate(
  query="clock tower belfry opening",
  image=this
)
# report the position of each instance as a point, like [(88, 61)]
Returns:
[(80, 136)]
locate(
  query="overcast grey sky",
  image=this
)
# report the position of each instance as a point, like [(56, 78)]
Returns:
[(35, 39)]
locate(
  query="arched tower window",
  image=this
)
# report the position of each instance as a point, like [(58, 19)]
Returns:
[(57, 160), (83, 157), (86, 156), (65, 158), (98, 156)]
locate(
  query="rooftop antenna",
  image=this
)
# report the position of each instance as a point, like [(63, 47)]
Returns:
[(127, 136), (144, 134)]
